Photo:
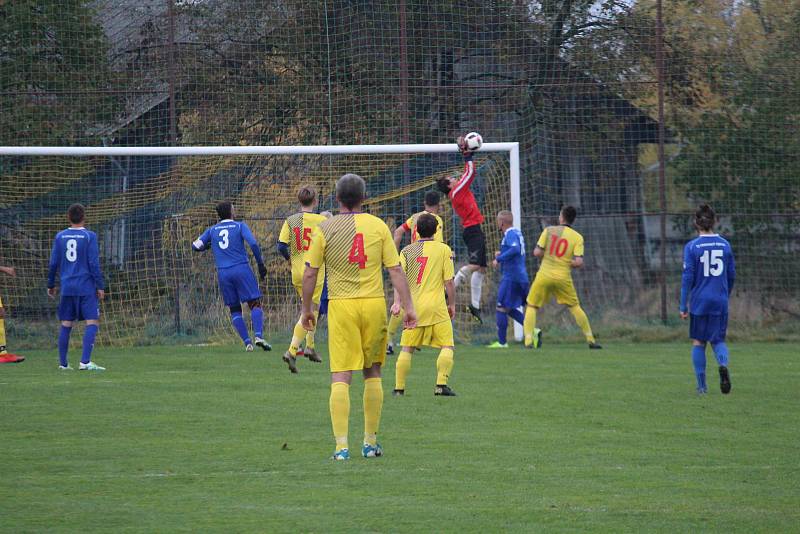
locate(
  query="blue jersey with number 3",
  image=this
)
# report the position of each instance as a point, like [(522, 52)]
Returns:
[(708, 275), (227, 239)]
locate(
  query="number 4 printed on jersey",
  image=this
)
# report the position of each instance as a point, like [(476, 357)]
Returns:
[(357, 253)]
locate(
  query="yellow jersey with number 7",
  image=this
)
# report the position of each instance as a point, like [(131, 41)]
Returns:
[(428, 265), (560, 245), (354, 248)]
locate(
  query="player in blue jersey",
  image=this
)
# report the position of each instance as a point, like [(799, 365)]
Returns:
[(236, 280), (76, 256), (708, 275), (514, 282)]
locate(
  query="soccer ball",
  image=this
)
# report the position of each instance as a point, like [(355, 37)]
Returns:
[(474, 140)]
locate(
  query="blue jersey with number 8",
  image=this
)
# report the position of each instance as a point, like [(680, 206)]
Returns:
[(708, 275), (227, 239), (76, 257)]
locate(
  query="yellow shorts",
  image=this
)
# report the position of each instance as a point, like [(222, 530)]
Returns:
[(356, 333), (544, 288), (434, 335), (317, 292)]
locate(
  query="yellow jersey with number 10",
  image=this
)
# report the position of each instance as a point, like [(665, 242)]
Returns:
[(560, 244), (428, 265), (353, 247)]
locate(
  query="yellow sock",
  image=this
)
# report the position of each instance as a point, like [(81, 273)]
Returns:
[(402, 369), (297, 337), (2, 336), (373, 404), (310, 335), (394, 324), (529, 325), (340, 412), (583, 322), (444, 366)]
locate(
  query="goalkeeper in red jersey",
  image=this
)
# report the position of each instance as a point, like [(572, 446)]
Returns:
[(466, 207)]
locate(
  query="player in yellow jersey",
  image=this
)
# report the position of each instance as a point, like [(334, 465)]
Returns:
[(293, 241), (428, 265), (6, 357), (353, 247), (431, 206), (561, 249)]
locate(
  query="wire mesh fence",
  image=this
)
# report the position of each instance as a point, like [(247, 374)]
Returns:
[(576, 82)]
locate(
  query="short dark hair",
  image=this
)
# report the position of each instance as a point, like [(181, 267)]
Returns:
[(306, 196), (351, 190), (569, 213), (76, 213), (432, 198), (426, 225), (705, 218), (444, 185), (225, 210)]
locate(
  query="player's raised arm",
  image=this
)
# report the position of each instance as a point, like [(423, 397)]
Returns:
[(250, 239), (201, 243)]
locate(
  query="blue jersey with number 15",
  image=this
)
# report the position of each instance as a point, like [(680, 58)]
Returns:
[(227, 239), (708, 275)]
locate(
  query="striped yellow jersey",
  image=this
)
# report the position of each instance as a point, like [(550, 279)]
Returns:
[(296, 232), (353, 247), (411, 226), (428, 265), (560, 244)]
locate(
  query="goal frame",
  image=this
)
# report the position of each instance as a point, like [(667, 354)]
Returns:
[(512, 148)]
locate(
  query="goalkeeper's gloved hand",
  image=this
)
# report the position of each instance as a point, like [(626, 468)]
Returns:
[(262, 271), (462, 145)]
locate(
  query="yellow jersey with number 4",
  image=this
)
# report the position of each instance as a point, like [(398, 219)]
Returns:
[(560, 245), (428, 265), (296, 232), (353, 247)]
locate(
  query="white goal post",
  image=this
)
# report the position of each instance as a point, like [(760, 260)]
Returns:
[(512, 148)]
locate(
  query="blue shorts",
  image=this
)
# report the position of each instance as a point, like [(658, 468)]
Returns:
[(323, 299), (78, 308), (711, 328), (511, 294), (238, 284)]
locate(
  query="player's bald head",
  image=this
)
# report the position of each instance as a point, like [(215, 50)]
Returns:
[(505, 217), (351, 190)]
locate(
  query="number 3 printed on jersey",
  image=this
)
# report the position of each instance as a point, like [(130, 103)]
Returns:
[(712, 263), (223, 244)]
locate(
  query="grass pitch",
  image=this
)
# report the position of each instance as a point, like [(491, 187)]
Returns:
[(563, 439)]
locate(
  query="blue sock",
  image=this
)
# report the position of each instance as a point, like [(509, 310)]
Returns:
[(502, 326), (88, 342), (257, 318), (241, 328), (699, 361), (517, 315), (721, 352), (63, 344)]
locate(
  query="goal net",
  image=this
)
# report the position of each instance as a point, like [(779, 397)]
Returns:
[(148, 204)]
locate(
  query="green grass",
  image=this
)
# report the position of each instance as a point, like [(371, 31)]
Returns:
[(564, 439)]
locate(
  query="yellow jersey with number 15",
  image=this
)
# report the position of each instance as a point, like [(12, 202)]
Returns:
[(428, 265), (296, 232), (560, 244), (353, 247)]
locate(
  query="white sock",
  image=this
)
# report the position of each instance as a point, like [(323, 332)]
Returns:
[(475, 286), (461, 275)]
